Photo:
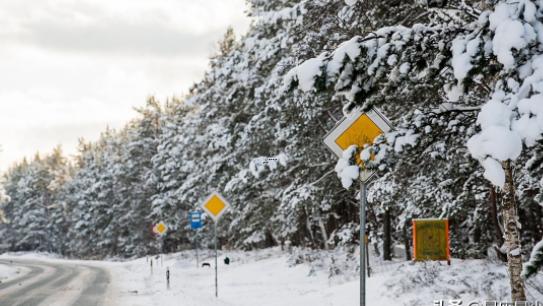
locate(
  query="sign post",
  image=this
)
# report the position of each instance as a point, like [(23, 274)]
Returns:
[(215, 206), (161, 229), (359, 129), (195, 224), (363, 243)]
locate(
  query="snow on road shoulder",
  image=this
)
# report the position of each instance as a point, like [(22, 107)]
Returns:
[(9, 272), (271, 277), (263, 278)]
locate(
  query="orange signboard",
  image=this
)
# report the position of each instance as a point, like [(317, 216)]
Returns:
[(431, 239)]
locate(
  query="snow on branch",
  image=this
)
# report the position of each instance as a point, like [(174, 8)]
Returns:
[(258, 165), (514, 114), (535, 262), (504, 42), (346, 168)]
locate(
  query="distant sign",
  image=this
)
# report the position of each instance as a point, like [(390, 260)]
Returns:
[(215, 206), (160, 228), (195, 220), (358, 129), (431, 239)]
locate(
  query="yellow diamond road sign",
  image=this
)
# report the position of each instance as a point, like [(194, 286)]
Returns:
[(215, 205), (358, 129), (161, 228)]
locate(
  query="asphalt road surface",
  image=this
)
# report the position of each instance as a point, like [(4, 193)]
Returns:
[(54, 284)]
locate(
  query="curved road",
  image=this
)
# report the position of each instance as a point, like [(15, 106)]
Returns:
[(54, 284)]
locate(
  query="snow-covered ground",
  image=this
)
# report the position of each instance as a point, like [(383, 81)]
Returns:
[(10, 272), (261, 278), (274, 278), (270, 278)]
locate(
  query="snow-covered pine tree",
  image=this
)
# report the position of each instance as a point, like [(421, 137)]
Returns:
[(31, 216), (59, 174), (444, 69), (428, 67), (134, 190), (170, 167), (536, 261), (10, 203)]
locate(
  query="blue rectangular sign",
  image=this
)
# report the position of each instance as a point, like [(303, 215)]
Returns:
[(195, 220)]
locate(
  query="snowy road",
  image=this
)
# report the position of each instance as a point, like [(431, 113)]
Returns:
[(54, 284)]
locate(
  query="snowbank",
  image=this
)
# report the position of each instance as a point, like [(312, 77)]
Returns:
[(305, 278), (8, 272), (272, 278)]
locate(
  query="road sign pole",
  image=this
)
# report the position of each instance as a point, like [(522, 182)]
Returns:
[(215, 205), (359, 129), (216, 278), (196, 245), (362, 243)]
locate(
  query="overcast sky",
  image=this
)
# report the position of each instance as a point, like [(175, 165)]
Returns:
[(69, 68)]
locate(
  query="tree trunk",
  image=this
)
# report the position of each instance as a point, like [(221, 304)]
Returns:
[(512, 235), (498, 233), (406, 241), (323, 233), (387, 239)]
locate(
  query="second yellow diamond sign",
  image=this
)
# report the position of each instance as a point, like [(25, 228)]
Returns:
[(160, 228), (215, 205)]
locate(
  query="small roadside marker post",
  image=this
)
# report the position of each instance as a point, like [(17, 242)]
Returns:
[(215, 206), (367, 246), (359, 129), (168, 278)]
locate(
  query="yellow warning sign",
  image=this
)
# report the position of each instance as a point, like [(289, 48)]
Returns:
[(362, 132), (431, 239), (360, 129), (160, 228), (215, 205)]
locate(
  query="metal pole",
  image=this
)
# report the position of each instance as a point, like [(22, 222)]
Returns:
[(362, 244), (367, 246), (168, 278), (196, 246), (216, 279)]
